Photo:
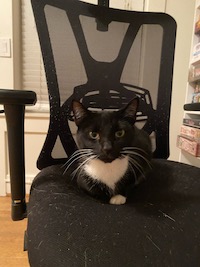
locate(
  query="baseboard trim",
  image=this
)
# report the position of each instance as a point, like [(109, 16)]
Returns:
[(29, 179)]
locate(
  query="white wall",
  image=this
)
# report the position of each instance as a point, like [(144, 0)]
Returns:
[(10, 66), (6, 80), (6, 31), (9, 71), (183, 12)]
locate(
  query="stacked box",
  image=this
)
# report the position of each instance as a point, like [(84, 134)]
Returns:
[(190, 133), (192, 122), (189, 146)]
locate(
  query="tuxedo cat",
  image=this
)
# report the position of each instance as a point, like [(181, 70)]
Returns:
[(113, 153)]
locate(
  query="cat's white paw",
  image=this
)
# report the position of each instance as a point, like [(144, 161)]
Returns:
[(117, 200)]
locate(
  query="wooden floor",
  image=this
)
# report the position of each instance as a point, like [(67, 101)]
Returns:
[(11, 238)]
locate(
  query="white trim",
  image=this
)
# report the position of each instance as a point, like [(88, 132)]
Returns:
[(29, 179), (38, 108), (36, 126), (136, 5), (155, 5)]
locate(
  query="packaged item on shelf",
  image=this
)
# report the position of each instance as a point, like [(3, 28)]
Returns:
[(190, 132), (197, 27), (192, 122), (196, 53), (194, 73), (197, 71), (197, 88), (196, 94), (191, 74), (196, 98), (192, 147), (189, 136)]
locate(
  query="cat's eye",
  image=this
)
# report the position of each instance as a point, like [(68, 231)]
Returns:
[(119, 133), (94, 135)]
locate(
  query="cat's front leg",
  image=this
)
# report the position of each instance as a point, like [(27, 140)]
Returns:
[(117, 200)]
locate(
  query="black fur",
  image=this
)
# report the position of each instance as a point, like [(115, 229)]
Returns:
[(108, 136)]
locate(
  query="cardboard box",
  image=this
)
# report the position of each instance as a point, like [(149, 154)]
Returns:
[(191, 133), (189, 146), (192, 122)]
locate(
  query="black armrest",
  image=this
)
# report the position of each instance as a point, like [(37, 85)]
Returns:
[(18, 97), (14, 102)]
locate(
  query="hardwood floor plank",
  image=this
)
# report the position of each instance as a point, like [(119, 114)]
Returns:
[(11, 237)]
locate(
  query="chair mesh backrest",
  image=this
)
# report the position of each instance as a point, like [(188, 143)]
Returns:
[(104, 57)]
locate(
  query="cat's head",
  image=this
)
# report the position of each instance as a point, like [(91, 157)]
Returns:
[(105, 132)]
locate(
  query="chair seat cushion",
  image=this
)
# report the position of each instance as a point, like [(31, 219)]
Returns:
[(158, 226)]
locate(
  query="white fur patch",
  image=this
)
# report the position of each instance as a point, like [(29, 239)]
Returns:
[(107, 173), (117, 200)]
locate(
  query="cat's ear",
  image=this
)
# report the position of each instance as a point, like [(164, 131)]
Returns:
[(80, 112), (129, 112)]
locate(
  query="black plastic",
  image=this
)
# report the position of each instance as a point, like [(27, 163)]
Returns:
[(104, 87), (103, 3), (102, 26), (192, 106), (14, 106), (15, 128), (18, 209), (19, 97)]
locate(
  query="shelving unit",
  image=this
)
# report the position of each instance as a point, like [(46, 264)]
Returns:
[(193, 85)]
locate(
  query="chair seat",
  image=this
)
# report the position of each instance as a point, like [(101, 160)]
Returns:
[(158, 226)]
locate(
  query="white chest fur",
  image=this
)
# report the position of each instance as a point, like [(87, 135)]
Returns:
[(107, 173)]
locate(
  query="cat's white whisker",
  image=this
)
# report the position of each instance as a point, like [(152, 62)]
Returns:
[(84, 149), (134, 148), (137, 166), (139, 155), (107, 173), (83, 163), (75, 157), (135, 160), (77, 152), (132, 170), (94, 184)]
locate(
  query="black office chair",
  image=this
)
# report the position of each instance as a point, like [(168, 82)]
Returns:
[(104, 57)]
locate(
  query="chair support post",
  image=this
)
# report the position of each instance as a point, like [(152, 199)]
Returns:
[(15, 128), (103, 3)]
